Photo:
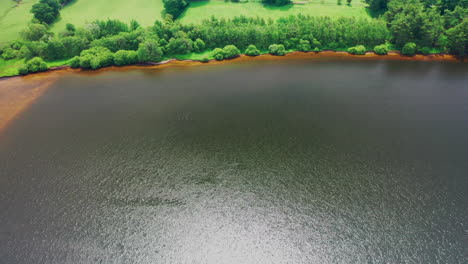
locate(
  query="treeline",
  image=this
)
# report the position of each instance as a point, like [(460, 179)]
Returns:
[(100, 43)]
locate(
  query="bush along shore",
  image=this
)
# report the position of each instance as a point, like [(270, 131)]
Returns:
[(112, 42)]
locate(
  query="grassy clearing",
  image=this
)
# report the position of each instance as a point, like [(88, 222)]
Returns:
[(14, 18), (219, 8), (10, 67), (81, 11), (147, 11)]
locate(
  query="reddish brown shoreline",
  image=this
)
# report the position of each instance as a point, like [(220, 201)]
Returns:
[(296, 55), (19, 92)]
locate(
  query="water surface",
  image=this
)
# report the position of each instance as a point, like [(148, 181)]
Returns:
[(266, 162)]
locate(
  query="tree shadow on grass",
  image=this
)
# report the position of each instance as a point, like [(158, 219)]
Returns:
[(59, 18), (72, 2), (373, 13), (193, 4), (277, 8)]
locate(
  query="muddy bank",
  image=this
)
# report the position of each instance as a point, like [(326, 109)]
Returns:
[(296, 55), (18, 93)]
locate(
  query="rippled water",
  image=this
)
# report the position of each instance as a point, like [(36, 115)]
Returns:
[(287, 162)]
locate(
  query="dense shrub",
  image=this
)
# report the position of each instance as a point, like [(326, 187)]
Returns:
[(231, 51), (36, 64), (277, 49), (23, 70), (34, 32), (180, 44), (199, 45), (95, 58), (218, 54), (425, 51), (74, 62), (124, 57), (252, 51), (55, 49), (36, 49), (113, 43), (381, 49), (150, 51), (357, 50), (74, 45), (409, 49), (304, 45), (457, 38), (9, 54)]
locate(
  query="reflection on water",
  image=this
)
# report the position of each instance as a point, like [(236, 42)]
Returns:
[(268, 162)]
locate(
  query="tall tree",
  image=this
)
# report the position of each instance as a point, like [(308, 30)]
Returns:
[(46, 11), (458, 38), (175, 7), (149, 50)]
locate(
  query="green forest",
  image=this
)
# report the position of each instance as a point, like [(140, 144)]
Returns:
[(410, 26)]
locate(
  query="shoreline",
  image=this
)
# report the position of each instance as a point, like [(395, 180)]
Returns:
[(294, 55)]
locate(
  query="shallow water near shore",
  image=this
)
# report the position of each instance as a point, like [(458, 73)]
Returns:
[(248, 162)]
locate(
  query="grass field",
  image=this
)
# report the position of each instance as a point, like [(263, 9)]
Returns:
[(81, 11), (147, 11), (10, 67), (14, 18), (204, 9)]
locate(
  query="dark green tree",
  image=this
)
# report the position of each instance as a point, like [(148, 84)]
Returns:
[(46, 11), (34, 32), (149, 51), (55, 49), (175, 7), (458, 38), (377, 5), (199, 45)]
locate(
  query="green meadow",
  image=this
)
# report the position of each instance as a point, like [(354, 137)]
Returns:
[(147, 11), (80, 12), (14, 18), (200, 10)]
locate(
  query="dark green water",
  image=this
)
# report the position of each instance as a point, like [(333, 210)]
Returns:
[(288, 162)]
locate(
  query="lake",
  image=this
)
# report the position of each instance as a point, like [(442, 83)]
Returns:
[(249, 162)]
